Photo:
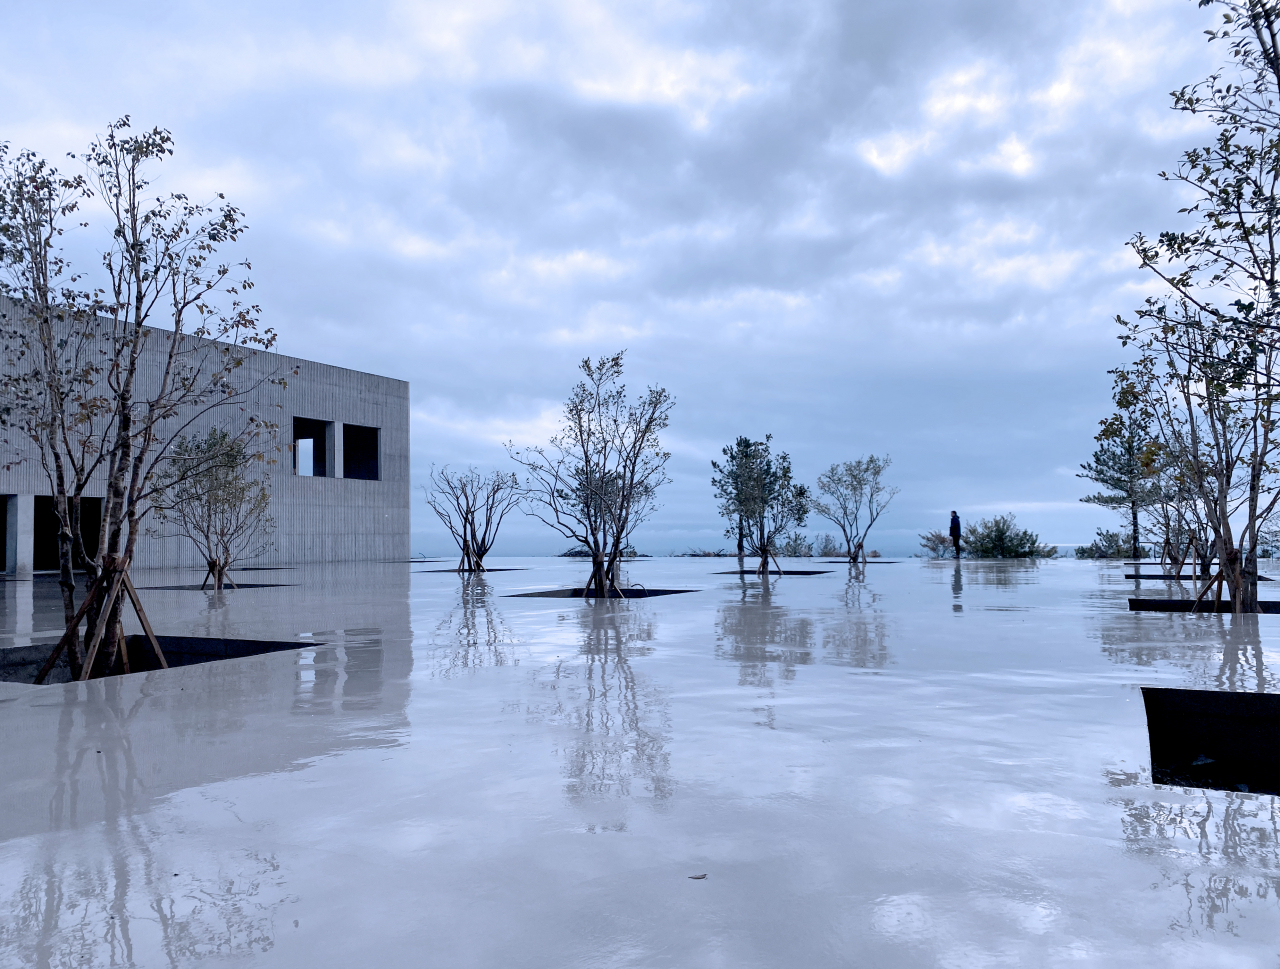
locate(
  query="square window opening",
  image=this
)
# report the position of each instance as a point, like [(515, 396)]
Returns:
[(311, 448), (360, 452)]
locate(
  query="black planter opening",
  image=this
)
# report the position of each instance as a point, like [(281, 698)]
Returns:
[(776, 572), (613, 594), (1207, 605), (1205, 738), (19, 664)]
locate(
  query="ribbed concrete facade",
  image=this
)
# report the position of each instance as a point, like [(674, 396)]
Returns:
[(329, 518)]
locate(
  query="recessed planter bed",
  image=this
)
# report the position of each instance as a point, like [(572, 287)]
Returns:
[(464, 571), (1219, 740), (613, 594), (208, 587), (1268, 607), (1179, 578), (868, 562), (19, 664), (776, 572)]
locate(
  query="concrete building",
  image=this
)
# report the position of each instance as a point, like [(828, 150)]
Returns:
[(340, 489)]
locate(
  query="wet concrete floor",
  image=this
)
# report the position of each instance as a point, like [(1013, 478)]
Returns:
[(928, 766)]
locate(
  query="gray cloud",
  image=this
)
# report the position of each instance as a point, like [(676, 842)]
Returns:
[(857, 226)]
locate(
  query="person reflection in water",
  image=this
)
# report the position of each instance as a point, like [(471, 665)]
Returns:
[(955, 532)]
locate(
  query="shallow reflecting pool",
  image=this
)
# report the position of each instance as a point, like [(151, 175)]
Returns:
[(923, 765)]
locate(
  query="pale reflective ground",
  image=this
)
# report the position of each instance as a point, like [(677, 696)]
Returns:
[(928, 766)]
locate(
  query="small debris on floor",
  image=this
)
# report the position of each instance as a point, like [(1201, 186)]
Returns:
[(698, 877)]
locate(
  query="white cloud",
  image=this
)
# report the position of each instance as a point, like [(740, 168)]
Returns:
[(890, 154), (1008, 252)]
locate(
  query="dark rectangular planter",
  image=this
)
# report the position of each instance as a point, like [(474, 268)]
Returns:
[(1206, 738), (1267, 607)]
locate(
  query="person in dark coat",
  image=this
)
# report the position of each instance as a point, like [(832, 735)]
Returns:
[(955, 532)]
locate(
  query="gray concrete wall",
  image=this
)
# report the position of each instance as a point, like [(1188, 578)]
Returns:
[(329, 519)]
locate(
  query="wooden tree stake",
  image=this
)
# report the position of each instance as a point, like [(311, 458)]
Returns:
[(100, 627), (72, 628), (142, 618)]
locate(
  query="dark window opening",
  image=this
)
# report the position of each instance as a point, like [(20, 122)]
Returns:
[(44, 552), (310, 448), (359, 452), (5, 564)]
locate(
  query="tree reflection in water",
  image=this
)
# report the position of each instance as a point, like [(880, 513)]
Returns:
[(619, 719), (128, 907), (1223, 847), (1218, 652), (859, 638), (474, 633), (764, 639), (116, 902), (1210, 839)]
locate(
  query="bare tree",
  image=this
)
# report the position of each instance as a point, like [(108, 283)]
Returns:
[(856, 497), (472, 507), (222, 506), (597, 481)]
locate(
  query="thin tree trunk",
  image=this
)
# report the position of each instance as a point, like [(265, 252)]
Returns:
[(597, 580), (68, 523), (1134, 534)]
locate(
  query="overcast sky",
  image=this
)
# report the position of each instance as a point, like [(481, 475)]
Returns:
[(859, 226)]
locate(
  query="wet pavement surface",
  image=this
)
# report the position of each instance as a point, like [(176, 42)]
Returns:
[(925, 766)]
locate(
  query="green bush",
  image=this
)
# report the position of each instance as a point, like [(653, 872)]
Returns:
[(937, 544), (795, 546), (828, 546), (1001, 538), (1110, 545)]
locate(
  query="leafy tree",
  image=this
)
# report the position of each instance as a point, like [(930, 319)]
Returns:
[(757, 491), (1001, 538), (220, 506), (730, 483), (1124, 464), (1206, 369), (163, 293), (472, 507), (1177, 516), (856, 496), (55, 350), (598, 479)]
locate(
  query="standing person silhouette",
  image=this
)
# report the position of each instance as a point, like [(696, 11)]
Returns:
[(955, 532)]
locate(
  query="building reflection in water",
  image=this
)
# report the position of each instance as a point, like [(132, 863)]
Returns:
[(96, 762), (619, 722), (473, 634)]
